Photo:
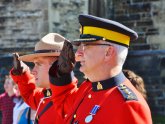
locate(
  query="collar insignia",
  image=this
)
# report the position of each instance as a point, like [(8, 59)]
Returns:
[(47, 92), (99, 86), (109, 83)]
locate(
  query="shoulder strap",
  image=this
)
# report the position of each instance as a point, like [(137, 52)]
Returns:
[(29, 115), (126, 92), (43, 111)]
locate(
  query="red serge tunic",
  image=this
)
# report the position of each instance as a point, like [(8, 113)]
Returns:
[(38, 99), (112, 101)]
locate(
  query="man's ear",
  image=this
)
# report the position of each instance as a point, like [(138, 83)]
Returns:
[(109, 51)]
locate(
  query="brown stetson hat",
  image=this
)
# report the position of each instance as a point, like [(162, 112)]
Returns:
[(50, 45)]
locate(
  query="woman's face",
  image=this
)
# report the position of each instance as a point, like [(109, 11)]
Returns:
[(8, 85)]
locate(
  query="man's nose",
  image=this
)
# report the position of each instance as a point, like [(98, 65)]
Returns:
[(79, 53)]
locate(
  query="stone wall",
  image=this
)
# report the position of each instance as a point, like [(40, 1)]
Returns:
[(63, 16), (146, 18), (22, 23)]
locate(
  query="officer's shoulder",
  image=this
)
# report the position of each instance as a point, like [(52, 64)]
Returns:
[(127, 93)]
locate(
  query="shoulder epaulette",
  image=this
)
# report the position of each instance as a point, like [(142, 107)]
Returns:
[(126, 92), (47, 92)]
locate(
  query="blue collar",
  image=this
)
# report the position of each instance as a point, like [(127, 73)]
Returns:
[(109, 83)]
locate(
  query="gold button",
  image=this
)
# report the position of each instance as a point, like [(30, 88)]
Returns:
[(74, 116), (43, 101), (65, 115), (89, 96), (37, 117)]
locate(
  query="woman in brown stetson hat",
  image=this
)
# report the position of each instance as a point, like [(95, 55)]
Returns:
[(38, 98)]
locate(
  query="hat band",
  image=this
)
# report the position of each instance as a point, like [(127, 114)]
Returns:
[(107, 34), (46, 51), (90, 37)]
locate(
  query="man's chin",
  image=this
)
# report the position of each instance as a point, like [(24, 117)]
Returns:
[(38, 84), (82, 69)]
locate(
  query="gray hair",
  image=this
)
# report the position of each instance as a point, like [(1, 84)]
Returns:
[(122, 52)]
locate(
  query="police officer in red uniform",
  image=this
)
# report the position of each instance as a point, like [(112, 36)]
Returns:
[(106, 96), (46, 52)]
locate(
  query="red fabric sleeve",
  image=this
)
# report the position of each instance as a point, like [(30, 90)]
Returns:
[(64, 96), (28, 90), (135, 113)]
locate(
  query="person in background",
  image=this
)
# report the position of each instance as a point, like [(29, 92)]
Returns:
[(34, 85), (22, 113), (137, 81), (6, 101), (107, 96)]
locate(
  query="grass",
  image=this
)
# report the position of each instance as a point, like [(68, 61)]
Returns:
[(158, 119)]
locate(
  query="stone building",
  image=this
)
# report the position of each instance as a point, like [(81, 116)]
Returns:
[(24, 22)]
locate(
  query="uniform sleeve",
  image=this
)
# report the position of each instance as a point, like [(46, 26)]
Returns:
[(64, 91), (135, 113), (28, 90)]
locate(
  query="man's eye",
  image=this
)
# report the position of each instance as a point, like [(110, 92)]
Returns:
[(38, 64)]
